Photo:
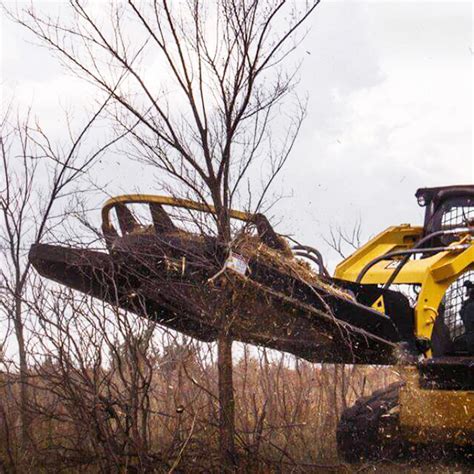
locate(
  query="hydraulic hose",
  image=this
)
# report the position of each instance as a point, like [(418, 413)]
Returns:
[(306, 251), (408, 252), (426, 238)]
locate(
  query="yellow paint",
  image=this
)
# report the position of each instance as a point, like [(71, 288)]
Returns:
[(430, 416), (432, 274), (391, 239), (426, 416), (379, 304)]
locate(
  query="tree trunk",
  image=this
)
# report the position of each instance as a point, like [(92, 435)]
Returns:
[(226, 401), (24, 414)]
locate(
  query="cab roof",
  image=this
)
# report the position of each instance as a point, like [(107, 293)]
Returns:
[(435, 195)]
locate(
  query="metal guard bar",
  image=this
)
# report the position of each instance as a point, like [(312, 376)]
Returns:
[(167, 201)]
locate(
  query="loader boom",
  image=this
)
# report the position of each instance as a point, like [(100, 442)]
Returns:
[(433, 274)]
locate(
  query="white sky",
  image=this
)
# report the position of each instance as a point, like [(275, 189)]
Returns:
[(390, 110)]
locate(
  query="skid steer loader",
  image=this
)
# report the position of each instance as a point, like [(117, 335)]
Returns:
[(433, 266), (406, 298)]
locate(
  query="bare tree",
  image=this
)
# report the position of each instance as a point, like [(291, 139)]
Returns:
[(36, 175), (204, 114), (342, 240)]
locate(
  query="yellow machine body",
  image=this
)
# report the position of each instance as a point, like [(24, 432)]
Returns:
[(426, 415), (435, 416), (426, 276), (433, 274)]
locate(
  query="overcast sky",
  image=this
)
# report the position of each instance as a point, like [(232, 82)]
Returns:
[(390, 110)]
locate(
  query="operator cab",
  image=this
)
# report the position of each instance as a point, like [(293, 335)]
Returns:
[(448, 208)]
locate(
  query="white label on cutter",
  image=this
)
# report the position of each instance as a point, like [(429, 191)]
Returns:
[(237, 263)]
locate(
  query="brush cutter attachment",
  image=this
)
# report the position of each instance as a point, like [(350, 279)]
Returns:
[(170, 267)]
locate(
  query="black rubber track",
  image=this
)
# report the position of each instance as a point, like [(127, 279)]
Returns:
[(370, 429)]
